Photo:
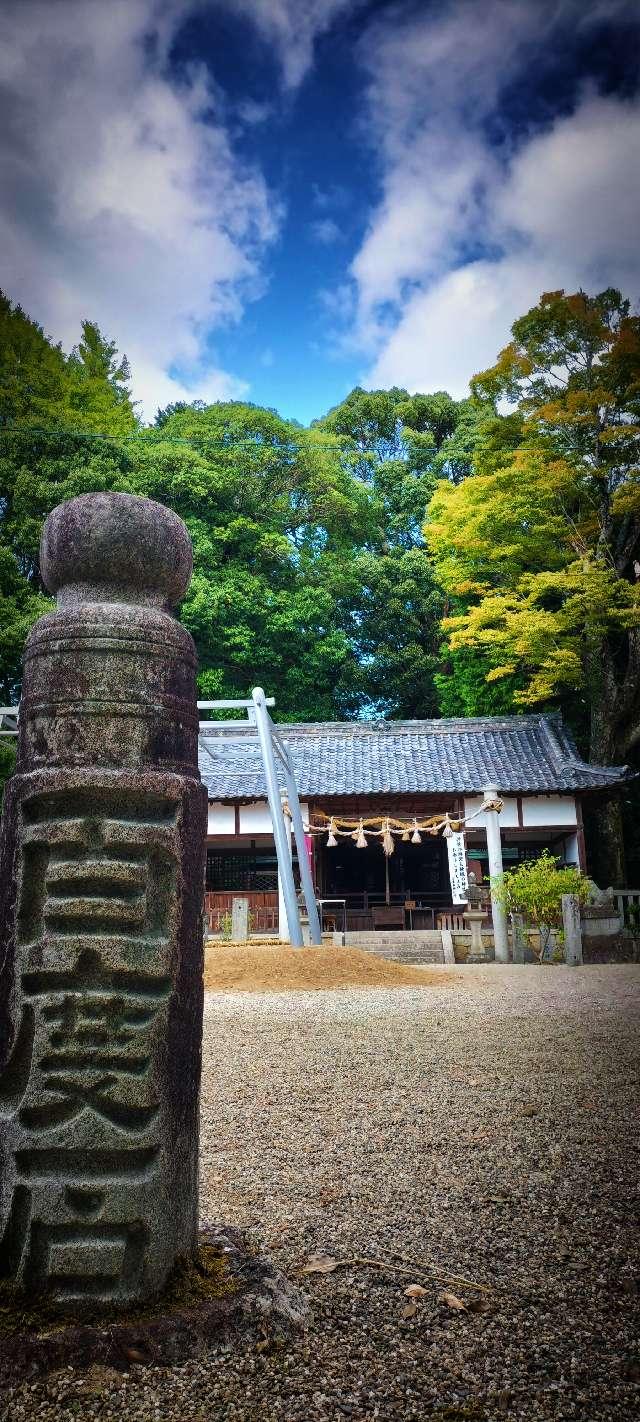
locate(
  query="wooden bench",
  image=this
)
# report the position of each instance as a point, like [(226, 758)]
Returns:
[(388, 916)]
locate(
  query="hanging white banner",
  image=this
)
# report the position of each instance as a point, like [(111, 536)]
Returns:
[(458, 869)]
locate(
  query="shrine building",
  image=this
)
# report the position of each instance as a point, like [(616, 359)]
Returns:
[(408, 772)]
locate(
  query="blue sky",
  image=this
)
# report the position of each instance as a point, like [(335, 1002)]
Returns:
[(278, 199)]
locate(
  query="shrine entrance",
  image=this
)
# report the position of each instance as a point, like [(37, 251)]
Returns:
[(403, 890)]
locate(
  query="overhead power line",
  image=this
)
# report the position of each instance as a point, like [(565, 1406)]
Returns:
[(153, 436)]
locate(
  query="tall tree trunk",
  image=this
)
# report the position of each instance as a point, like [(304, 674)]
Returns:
[(604, 821), (603, 826)]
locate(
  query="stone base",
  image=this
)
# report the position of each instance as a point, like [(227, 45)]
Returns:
[(244, 1300)]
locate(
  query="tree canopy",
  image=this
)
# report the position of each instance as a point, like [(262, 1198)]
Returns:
[(399, 447), (310, 573), (538, 550), (316, 572)]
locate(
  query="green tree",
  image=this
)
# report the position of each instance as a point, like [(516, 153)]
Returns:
[(42, 387), (539, 550), (100, 393), (399, 446), (33, 372), (50, 406), (274, 517)]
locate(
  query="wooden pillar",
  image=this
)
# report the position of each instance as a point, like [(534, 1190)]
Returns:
[(582, 849)]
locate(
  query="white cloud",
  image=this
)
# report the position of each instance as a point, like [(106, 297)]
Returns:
[(423, 221), (325, 231), (568, 216), (572, 191), (468, 232), (123, 199), (292, 27), (456, 328)]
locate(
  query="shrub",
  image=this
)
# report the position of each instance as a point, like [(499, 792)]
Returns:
[(535, 888)]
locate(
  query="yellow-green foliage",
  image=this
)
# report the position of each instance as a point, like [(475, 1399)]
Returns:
[(536, 550), (535, 889)]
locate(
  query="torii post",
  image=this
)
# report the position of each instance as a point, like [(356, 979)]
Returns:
[(491, 807)]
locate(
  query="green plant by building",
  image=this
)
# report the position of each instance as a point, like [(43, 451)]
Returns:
[(535, 889)]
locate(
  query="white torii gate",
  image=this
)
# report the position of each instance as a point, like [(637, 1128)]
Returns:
[(271, 747)]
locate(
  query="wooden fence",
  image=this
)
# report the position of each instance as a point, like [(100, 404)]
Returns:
[(628, 905), (263, 910)]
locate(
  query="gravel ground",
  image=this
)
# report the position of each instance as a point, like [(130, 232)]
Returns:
[(488, 1130)]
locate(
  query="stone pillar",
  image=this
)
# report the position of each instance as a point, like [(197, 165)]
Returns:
[(101, 877), (447, 945), (475, 919), (518, 938), (239, 920), (572, 930), (494, 847)]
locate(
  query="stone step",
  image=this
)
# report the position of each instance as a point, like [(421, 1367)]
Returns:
[(423, 937), (420, 947)]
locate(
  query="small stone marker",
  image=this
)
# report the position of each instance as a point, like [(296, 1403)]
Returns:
[(447, 945), (101, 876), (572, 930), (239, 920), (519, 938)]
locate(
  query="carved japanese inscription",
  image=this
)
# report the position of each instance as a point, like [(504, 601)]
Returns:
[(102, 875)]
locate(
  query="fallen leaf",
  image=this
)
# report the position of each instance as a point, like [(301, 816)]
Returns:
[(453, 1302), (320, 1264), (415, 1291), (409, 1310), (480, 1305), (135, 1355)]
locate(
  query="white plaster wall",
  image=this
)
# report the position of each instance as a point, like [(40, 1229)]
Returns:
[(548, 810), (256, 819), (508, 817), (221, 818)]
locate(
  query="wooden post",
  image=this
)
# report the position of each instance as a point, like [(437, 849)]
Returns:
[(572, 930), (582, 849)]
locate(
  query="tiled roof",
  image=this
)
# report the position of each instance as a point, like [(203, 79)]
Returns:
[(519, 754)]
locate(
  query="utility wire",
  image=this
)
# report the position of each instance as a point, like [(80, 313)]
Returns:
[(152, 436)]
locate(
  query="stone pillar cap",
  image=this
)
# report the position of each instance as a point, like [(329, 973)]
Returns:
[(115, 548)]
